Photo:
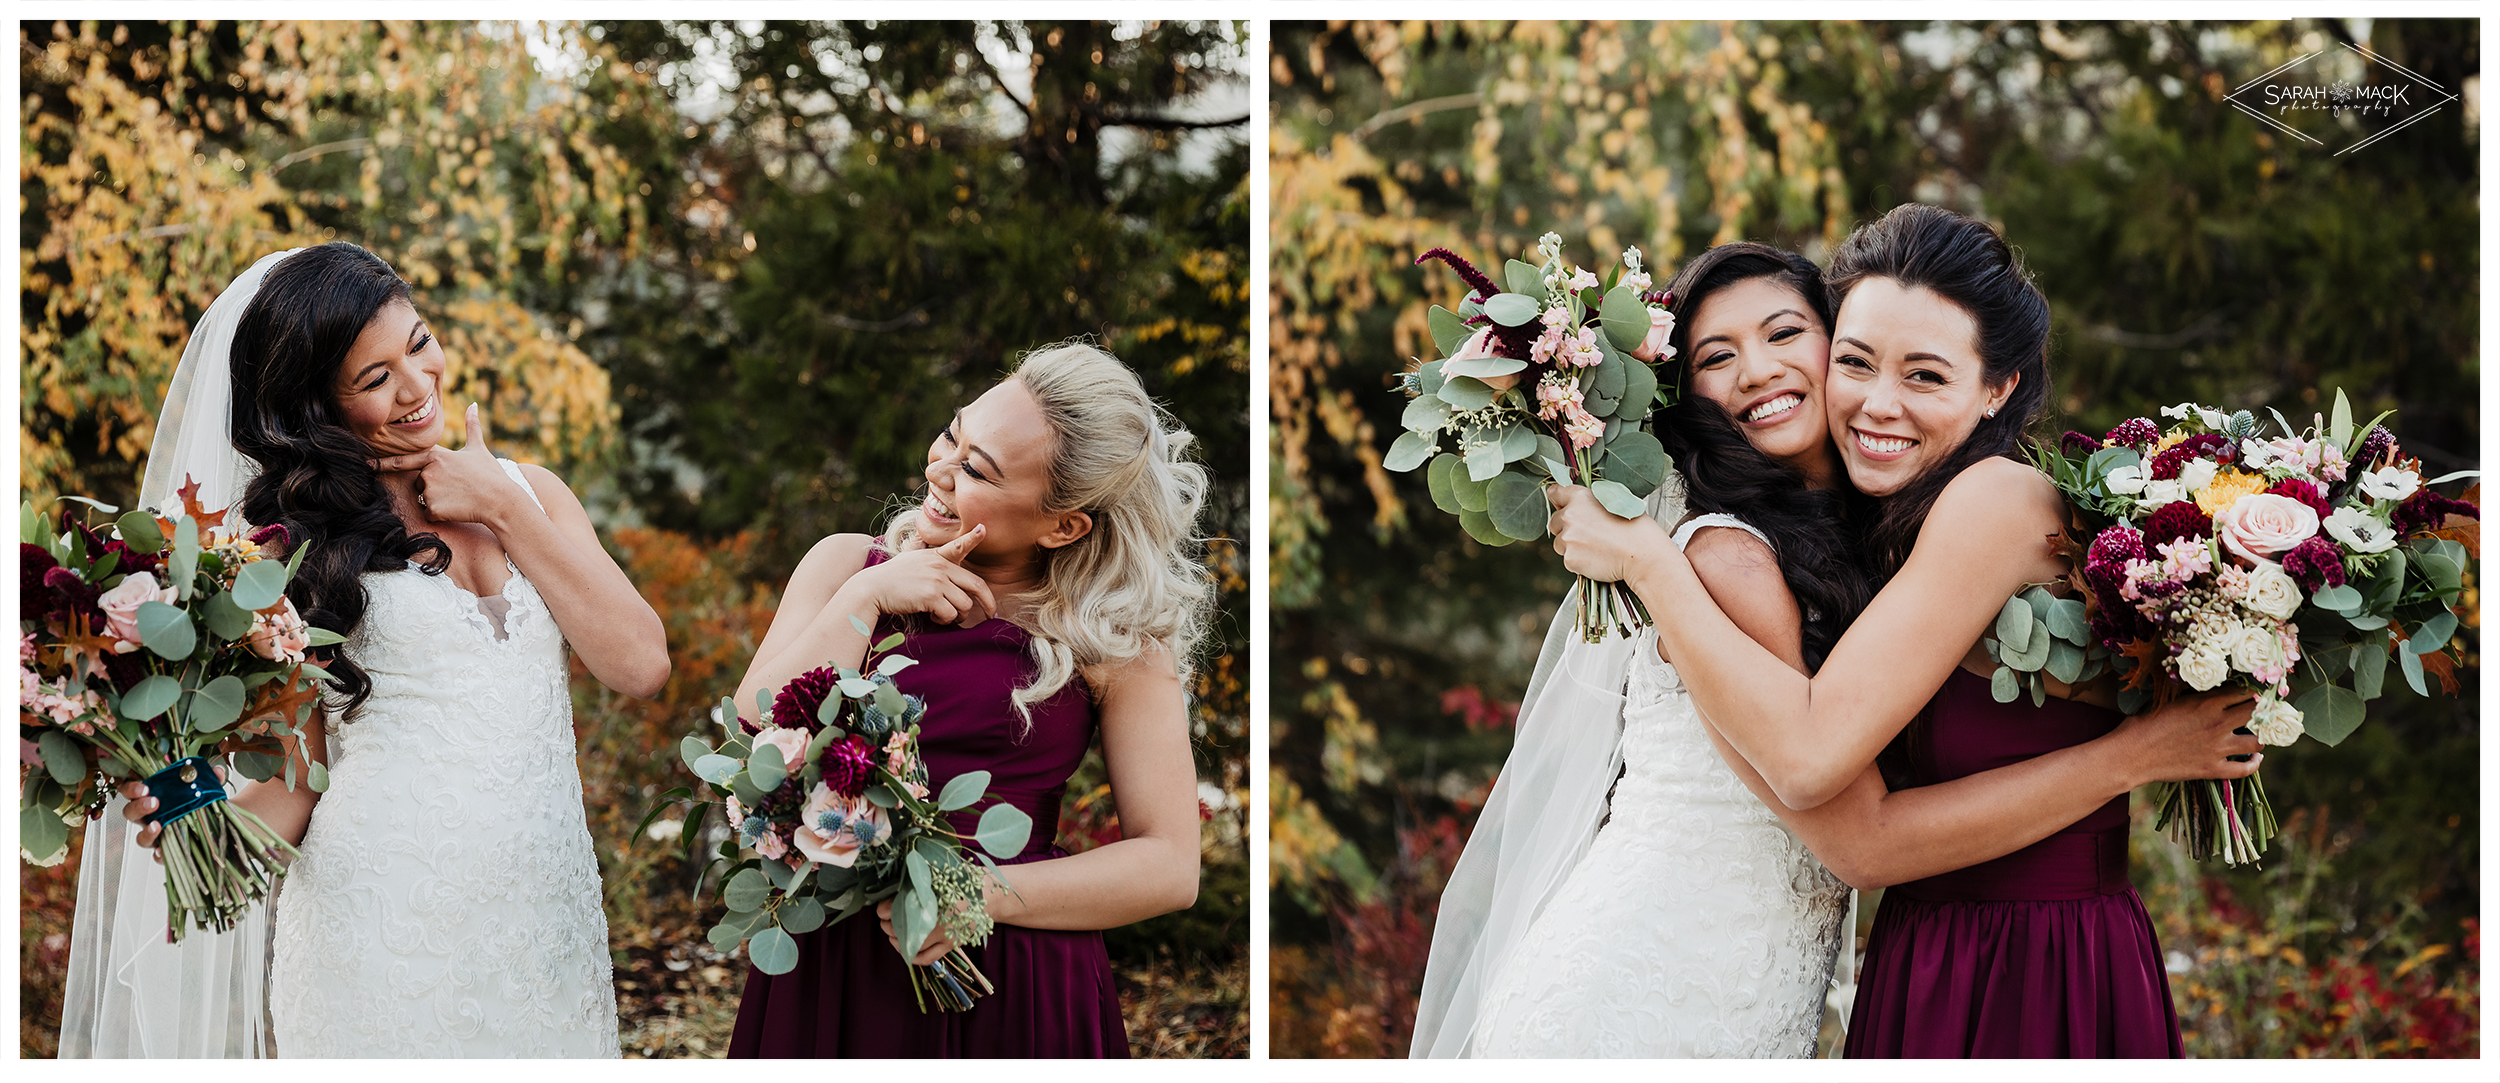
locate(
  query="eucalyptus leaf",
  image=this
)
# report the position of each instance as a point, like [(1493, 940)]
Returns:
[(2002, 685), (1467, 393), (2014, 625), (217, 704), (2337, 599), (1512, 309), (1607, 379), (1479, 525), (1637, 460), (1448, 331), (61, 757), (746, 891), (781, 876), (2433, 634), (2039, 691), (184, 565), (803, 916), (261, 584), (1469, 492), (962, 790), (1428, 379), (317, 777), (894, 663), (226, 620), (692, 749), (1483, 367), (41, 833), (767, 769), (2066, 621), (2411, 664), (881, 796), (1615, 498), (150, 697), (167, 631), (773, 952), (1518, 507), (888, 699), (1437, 480), (1523, 278), (1640, 390), (2444, 575), (715, 768), (257, 766), (2330, 713), (2065, 661), (855, 687), (1425, 414), (1484, 461), (140, 532), (1003, 830), (1624, 317)]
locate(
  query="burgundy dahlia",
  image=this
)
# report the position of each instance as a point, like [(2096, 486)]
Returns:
[(795, 708), (71, 595), (2175, 520), (2166, 466), (2315, 564), (848, 765), (2426, 510), (2135, 432), (2078, 443)]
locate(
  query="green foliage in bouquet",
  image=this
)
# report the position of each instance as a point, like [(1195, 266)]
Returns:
[(845, 824), (145, 653)]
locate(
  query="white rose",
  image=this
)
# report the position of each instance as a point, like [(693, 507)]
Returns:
[(2203, 669), (2275, 722), (2213, 631), (2271, 591), (2259, 653), (2197, 474), (2393, 483), (2158, 493), (2360, 531), (2125, 480)]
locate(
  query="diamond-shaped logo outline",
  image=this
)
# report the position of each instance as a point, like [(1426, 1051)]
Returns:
[(2368, 138)]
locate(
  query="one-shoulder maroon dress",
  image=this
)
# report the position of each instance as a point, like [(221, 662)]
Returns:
[(850, 997), (2045, 952)]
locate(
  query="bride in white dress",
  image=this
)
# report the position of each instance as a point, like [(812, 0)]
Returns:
[(1704, 918), (447, 902)]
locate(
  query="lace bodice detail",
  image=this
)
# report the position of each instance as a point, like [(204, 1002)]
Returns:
[(1696, 926), (447, 902)]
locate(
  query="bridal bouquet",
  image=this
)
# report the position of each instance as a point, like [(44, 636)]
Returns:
[(831, 811), (143, 654), (1549, 381), (2298, 565)]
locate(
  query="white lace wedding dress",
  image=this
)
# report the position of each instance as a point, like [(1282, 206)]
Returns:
[(1695, 926), (447, 902)]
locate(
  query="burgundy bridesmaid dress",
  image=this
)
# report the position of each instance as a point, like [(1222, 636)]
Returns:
[(850, 997), (2045, 952)]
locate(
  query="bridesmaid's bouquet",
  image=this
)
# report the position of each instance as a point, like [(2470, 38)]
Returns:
[(2300, 566), (146, 648), (831, 813), (1548, 381)]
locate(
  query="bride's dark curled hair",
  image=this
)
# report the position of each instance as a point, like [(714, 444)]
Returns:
[(1725, 473), (315, 476)]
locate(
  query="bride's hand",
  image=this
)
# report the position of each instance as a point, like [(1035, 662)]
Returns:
[(464, 486), (2194, 737), (931, 581), (1597, 543)]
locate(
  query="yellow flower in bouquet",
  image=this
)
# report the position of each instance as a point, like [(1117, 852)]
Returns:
[(2227, 488)]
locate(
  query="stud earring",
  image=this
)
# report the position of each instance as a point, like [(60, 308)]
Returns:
[(1992, 411)]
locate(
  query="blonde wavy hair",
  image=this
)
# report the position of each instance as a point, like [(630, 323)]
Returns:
[(1136, 578)]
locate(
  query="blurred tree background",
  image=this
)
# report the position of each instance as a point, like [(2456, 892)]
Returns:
[(2188, 251), (728, 278)]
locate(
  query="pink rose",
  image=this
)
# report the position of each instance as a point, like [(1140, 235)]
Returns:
[(792, 743), (2260, 525), (121, 607), (1478, 347), (832, 828), (1654, 348), (280, 636)]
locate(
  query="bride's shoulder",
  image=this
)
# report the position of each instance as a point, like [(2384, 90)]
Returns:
[(1999, 492)]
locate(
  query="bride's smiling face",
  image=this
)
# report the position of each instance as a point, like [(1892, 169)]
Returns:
[(389, 388), (1758, 349), (990, 466), (1907, 385)]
